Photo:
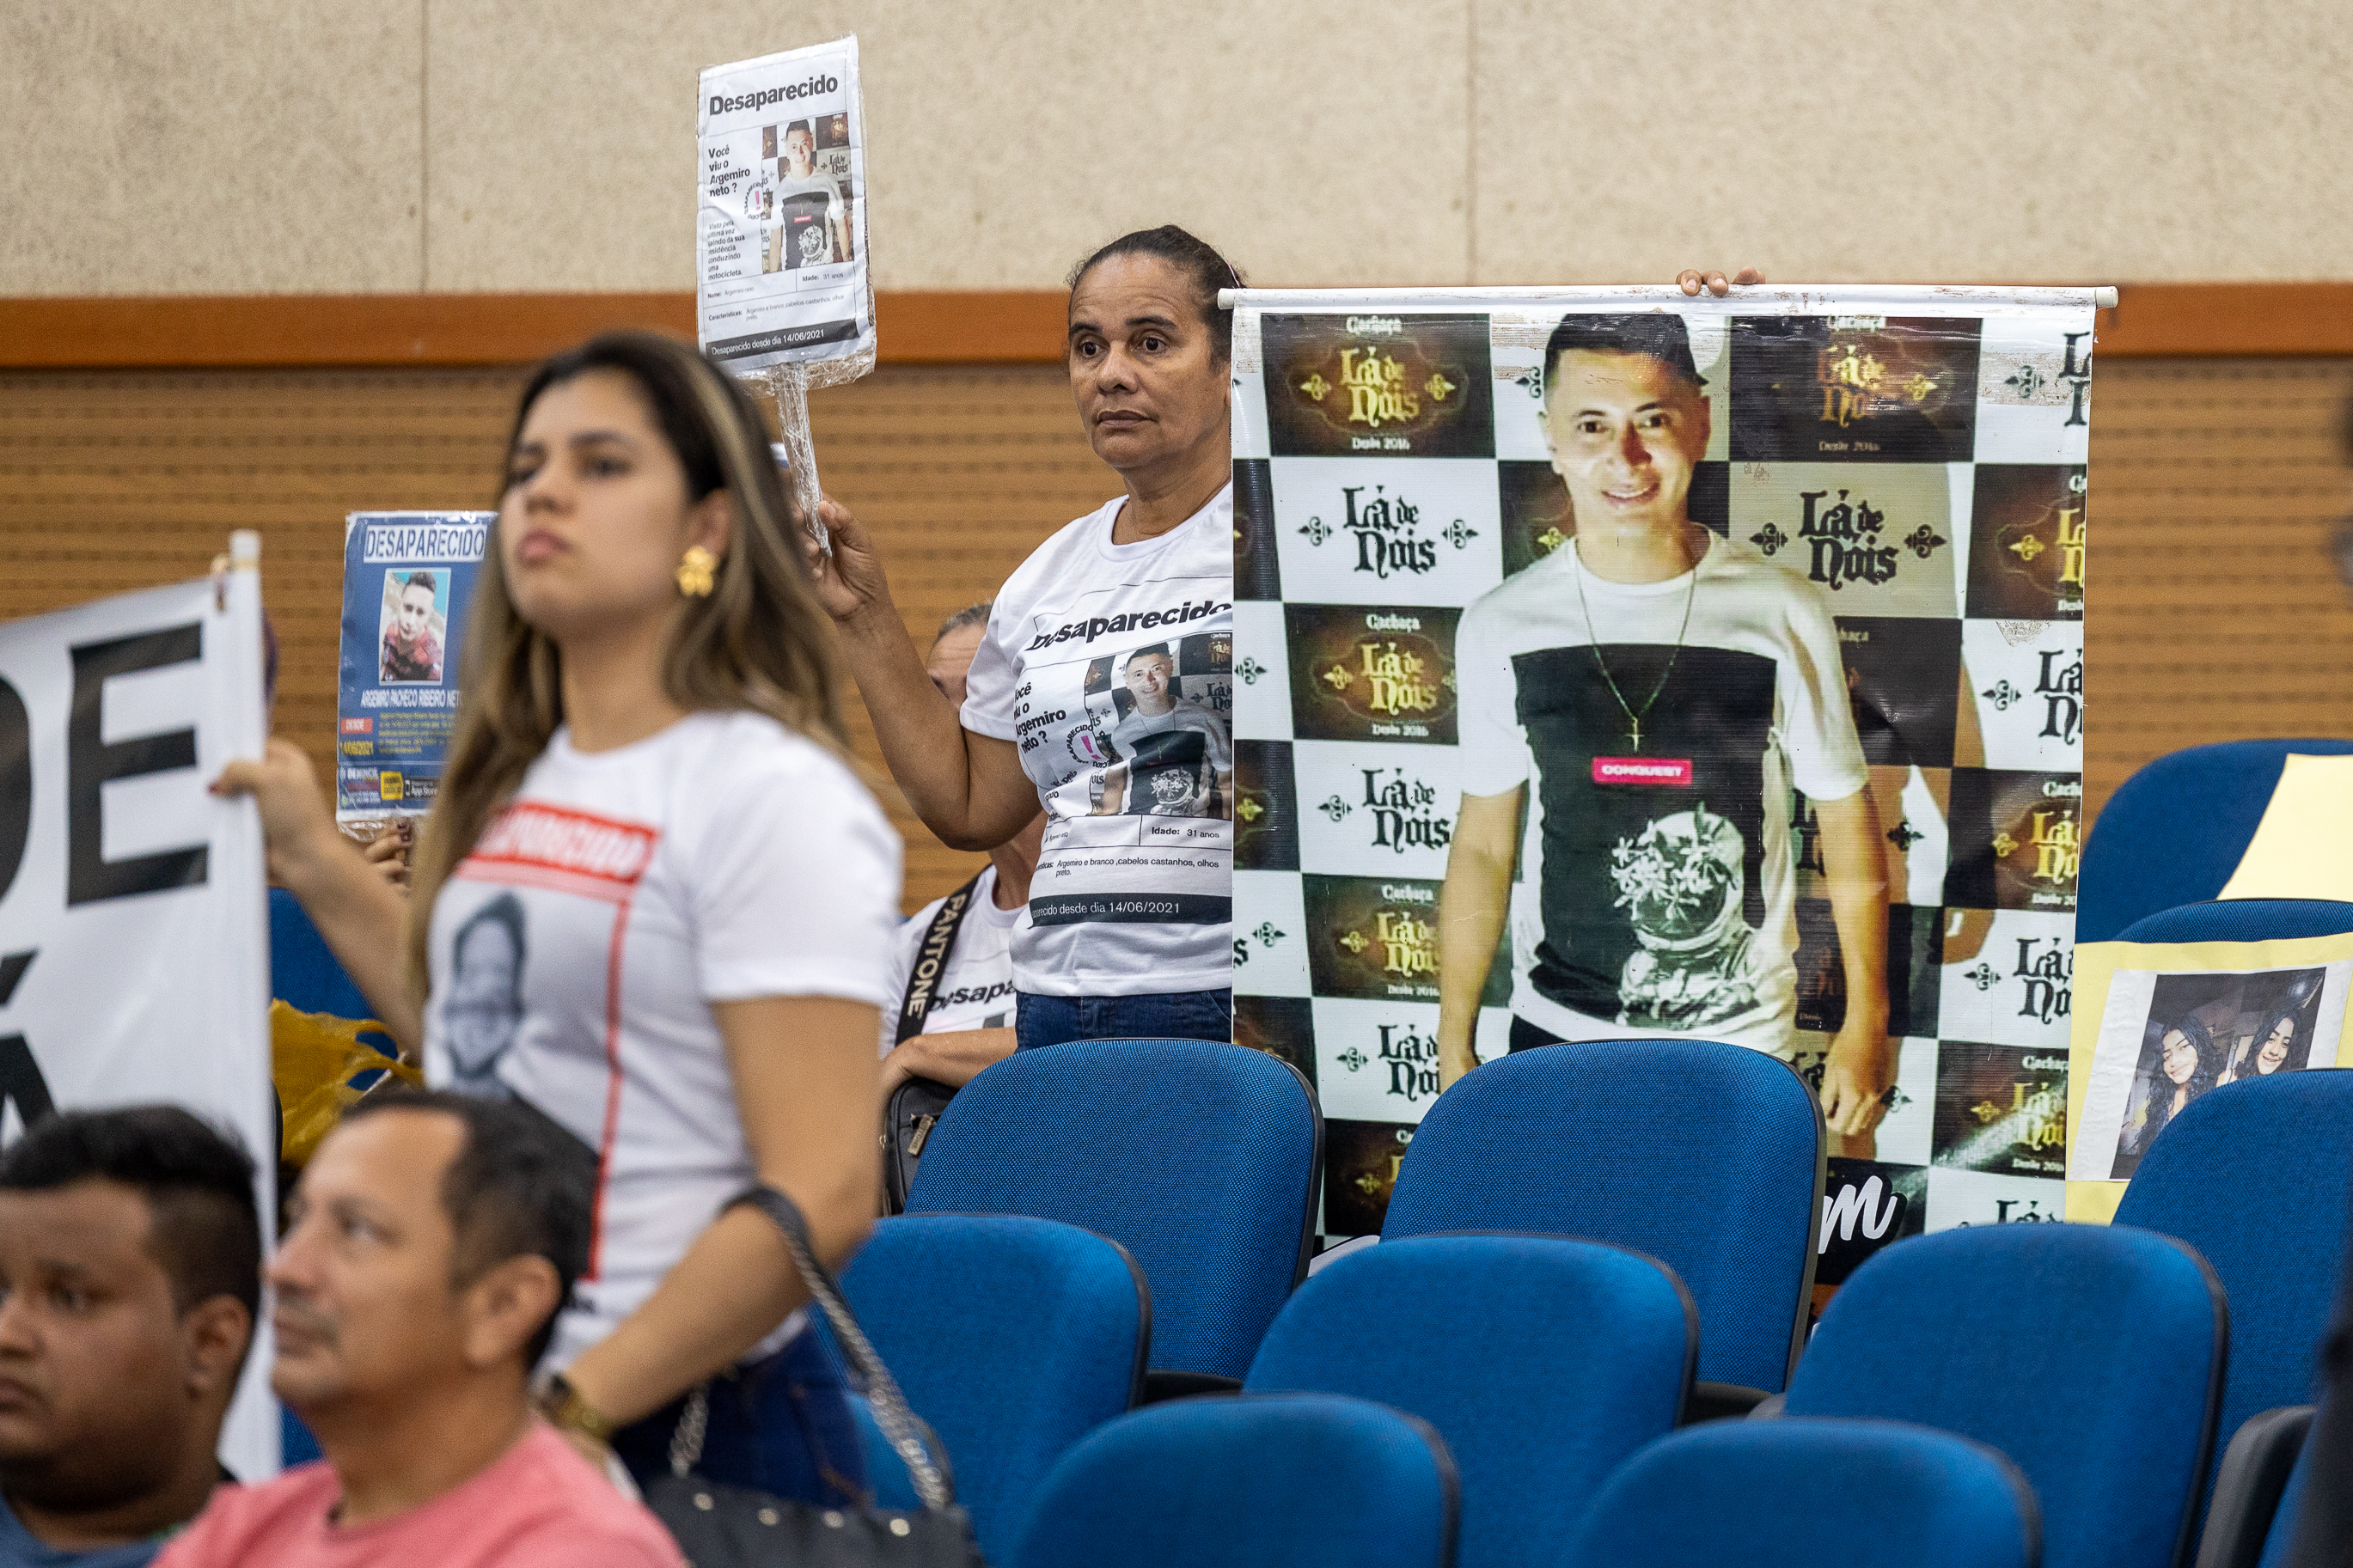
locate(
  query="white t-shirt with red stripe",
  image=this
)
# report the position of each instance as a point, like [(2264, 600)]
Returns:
[(576, 952)]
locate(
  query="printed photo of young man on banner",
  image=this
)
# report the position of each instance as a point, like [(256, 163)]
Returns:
[(1613, 664)]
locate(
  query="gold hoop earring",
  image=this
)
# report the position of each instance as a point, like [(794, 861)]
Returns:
[(694, 572)]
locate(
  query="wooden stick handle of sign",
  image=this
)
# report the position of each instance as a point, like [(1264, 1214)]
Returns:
[(788, 383)]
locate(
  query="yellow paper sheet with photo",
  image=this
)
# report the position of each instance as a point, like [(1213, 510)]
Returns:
[(2312, 970), (2303, 848)]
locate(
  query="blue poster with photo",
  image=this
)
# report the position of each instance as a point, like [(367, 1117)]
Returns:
[(407, 579)]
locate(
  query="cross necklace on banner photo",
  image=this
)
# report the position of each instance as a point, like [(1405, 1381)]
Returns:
[(1593, 646)]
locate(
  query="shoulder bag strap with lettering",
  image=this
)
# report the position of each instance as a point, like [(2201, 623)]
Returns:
[(932, 960)]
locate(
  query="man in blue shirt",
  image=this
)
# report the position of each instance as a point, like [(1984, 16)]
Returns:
[(129, 1275)]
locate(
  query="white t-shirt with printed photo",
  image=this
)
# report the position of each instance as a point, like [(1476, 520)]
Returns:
[(807, 207), (576, 952), (1133, 893), (1657, 889), (975, 986)]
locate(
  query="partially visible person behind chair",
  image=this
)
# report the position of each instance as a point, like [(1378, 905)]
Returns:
[(434, 1239), (129, 1274), (957, 1018)]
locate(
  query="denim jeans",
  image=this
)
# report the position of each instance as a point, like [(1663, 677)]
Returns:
[(781, 1426), (1163, 1016)]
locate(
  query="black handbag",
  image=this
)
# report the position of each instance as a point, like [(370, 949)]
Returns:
[(915, 1105), (720, 1526), (914, 1109)]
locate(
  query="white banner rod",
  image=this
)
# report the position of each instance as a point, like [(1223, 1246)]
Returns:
[(1770, 298)]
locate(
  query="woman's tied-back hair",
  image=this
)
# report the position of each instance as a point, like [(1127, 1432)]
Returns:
[(758, 641), (1204, 269)]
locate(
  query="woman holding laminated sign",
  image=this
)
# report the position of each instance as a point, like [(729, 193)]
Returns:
[(652, 901), (1103, 687), (1636, 708), (1104, 690)]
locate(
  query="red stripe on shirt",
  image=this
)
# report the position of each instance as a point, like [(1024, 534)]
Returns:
[(612, 1088), (532, 836)]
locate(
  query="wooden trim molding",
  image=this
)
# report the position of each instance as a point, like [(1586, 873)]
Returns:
[(251, 330), (2152, 320), (2254, 320)]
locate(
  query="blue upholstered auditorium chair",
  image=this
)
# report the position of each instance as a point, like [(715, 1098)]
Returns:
[(2254, 1175), (1707, 1157), (2243, 920), (1802, 1494), (1199, 1158), (2173, 833), (1280, 1480), (1542, 1362), (2252, 1512), (302, 972), (2091, 1355), (1012, 1338), (2282, 1533)]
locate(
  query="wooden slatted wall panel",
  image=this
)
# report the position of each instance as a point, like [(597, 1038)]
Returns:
[(116, 480), (2216, 612), (2213, 608)]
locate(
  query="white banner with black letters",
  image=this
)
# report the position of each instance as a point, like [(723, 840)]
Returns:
[(133, 928)]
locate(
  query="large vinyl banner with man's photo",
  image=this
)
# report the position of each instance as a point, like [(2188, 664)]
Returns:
[(1616, 664)]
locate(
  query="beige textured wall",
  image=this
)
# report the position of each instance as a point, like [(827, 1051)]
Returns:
[(365, 145)]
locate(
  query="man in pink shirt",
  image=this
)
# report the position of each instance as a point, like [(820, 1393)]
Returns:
[(434, 1239)]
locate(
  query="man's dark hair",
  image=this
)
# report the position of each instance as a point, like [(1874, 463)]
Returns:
[(521, 1186), (1659, 334), (1203, 268), (806, 127), (970, 616), (203, 1228), (421, 580)]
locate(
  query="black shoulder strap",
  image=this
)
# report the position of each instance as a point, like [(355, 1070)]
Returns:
[(932, 960)]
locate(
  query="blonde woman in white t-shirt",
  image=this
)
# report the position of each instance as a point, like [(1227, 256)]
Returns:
[(693, 899)]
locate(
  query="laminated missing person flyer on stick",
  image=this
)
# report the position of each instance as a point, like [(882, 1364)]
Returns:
[(409, 577), (780, 231)]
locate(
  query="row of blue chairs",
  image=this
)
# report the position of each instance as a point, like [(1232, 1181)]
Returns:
[(1705, 1163), (2170, 838), (1280, 1480), (1541, 1367), (2154, 869), (2101, 1361)]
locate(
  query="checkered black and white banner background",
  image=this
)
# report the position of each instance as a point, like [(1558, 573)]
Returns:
[(1919, 455)]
